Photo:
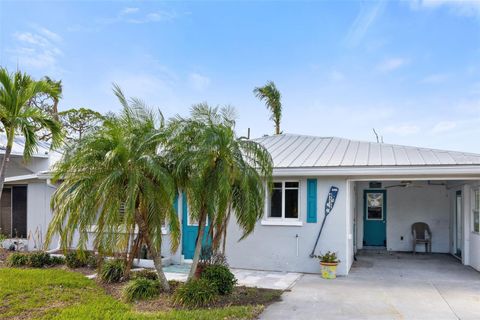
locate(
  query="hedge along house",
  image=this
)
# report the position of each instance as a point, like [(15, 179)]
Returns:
[(25, 201), (383, 190)]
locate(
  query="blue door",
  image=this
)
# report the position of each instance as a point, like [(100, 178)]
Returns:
[(375, 218), (190, 231)]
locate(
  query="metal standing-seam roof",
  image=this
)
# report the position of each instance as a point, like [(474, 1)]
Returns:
[(43, 148), (300, 151)]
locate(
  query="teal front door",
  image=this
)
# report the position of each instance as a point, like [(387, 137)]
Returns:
[(190, 231), (375, 218)]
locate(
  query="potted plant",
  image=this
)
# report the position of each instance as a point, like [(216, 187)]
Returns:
[(328, 264)]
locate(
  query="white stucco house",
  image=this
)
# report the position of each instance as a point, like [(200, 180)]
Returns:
[(25, 202), (382, 190)]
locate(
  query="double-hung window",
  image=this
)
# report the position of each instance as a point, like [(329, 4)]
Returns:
[(284, 201), (476, 211)]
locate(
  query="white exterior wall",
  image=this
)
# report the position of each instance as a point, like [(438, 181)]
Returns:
[(39, 213), (471, 245), (405, 206), (275, 247), (351, 207)]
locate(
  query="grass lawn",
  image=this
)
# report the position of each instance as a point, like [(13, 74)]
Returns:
[(62, 294)]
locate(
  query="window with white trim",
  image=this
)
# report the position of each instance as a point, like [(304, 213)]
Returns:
[(476, 211), (284, 201)]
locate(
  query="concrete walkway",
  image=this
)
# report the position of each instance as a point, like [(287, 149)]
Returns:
[(387, 286), (251, 278)]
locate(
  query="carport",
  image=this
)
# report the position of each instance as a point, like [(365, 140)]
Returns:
[(384, 210)]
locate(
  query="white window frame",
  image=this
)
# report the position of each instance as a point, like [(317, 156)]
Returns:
[(383, 205), (475, 208), (283, 220), (189, 219)]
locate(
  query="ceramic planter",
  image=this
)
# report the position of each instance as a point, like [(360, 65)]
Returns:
[(328, 270)]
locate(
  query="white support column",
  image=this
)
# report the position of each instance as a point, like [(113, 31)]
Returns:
[(467, 209)]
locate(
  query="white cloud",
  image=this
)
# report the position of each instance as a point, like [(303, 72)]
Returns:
[(37, 49), (435, 78), (402, 129), (391, 64), (50, 34), (198, 81), (136, 16), (459, 7), (129, 10), (365, 18), (444, 126), (161, 15)]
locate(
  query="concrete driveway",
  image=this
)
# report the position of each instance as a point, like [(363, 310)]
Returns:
[(387, 286)]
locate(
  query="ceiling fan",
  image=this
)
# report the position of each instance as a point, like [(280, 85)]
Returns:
[(405, 184)]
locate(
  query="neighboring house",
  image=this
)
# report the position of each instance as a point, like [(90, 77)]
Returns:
[(383, 190), (25, 202)]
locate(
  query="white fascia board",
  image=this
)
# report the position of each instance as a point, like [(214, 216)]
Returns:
[(44, 175), (467, 170), (21, 178), (20, 154), (39, 175)]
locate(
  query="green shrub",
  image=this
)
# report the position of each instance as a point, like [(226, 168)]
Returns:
[(17, 259), (91, 261), (141, 289), (221, 277), (112, 270), (38, 259), (195, 293), (56, 260), (145, 274), (77, 259)]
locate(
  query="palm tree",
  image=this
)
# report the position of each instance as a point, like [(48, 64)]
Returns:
[(19, 117), (219, 172), (114, 179), (270, 94)]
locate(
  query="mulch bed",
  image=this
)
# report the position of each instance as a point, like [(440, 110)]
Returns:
[(240, 296)]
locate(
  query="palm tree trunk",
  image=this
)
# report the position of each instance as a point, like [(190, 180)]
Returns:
[(55, 109), (220, 233), (198, 245), (157, 262), (225, 230), (133, 253), (156, 255), (5, 161), (224, 240)]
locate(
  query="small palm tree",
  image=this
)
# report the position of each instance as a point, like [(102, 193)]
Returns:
[(114, 179), (19, 117), (272, 97), (219, 172)]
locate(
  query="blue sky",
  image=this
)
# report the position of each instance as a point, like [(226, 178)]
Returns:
[(409, 69)]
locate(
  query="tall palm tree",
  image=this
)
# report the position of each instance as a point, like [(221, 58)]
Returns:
[(114, 167), (219, 172), (272, 98), (17, 116)]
